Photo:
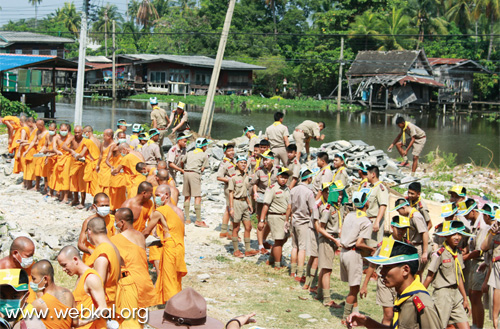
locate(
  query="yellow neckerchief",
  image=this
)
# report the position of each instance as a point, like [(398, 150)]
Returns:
[(253, 136), (177, 117), (322, 169), (133, 137), (416, 202), (197, 150), (227, 159), (276, 123), (336, 172), (412, 211), (361, 183), (413, 289), (457, 262), (360, 213), (269, 177), (257, 164), (156, 107), (404, 134), (150, 142)]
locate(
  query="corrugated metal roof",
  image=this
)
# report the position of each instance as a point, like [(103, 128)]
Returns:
[(422, 81), (442, 61), (15, 36), (197, 61), (98, 59), (11, 61), (385, 62)]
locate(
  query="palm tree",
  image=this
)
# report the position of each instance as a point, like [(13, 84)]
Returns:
[(272, 5), (365, 24), (491, 9), (460, 12), (425, 12), (69, 17), (146, 14), (35, 3), (105, 15), (394, 24)]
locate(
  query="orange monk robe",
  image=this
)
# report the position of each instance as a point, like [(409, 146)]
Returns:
[(172, 264), (154, 250), (104, 174), (29, 164), (90, 175), (136, 264), (146, 211), (129, 162), (138, 179), (61, 170), (85, 301), (53, 320), (105, 249), (18, 162), (16, 127), (76, 182), (48, 169), (110, 229), (40, 161), (117, 185)]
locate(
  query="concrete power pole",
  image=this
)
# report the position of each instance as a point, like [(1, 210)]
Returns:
[(341, 62), (114, 61), (80, 79), (207, 117), (106, 32)]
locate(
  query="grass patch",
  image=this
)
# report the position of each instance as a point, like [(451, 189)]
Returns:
[(223, 259)]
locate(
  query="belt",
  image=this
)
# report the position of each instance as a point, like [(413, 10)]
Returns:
[(189, 171), (276, 213), (240, 199), (348, 249), (298, 130), (161, 128), (420, 137)]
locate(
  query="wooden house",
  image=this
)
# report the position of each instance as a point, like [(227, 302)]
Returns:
[(29, 43)]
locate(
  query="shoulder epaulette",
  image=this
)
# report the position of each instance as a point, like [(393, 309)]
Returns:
[(418, 303), (382, 187), (408, 241), (271, 186), (440, 251), (379, 244)]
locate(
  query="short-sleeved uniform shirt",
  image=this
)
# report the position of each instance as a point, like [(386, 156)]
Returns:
[(494, 251), (276, 134), (175, 119), (251, 143), (294, 167), (324, 175), (151, 153), (227, 169), (411, 318), (303, 205), (414, 131), (421, 206), (309, 128), (329, 215), (379, 196), (239, 185), (278, 198), (195, 160), (418, 226), (159, 115), (264, 179), (443, 265), (356, 225), (175, 155)]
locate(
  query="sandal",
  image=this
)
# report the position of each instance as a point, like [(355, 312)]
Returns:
[(200, 224)]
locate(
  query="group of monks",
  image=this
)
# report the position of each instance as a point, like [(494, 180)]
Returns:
[(114, 268)]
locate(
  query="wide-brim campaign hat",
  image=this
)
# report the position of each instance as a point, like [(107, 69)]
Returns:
[(200, 142), (186, 309), (14, 277), (123, 122), (463, 210), (448, 210), (268, 155), (303, 171), (451, 227), (459, 190), (400, 221), (363, 166), (357, 197), (400, 203), (181, 105), (241, 158), (394, 252)]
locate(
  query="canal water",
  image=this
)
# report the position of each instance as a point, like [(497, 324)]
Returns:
[(460, 134)]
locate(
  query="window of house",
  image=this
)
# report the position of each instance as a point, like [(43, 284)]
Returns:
[(238, 78), (203, 78), (53, 52), (157, 77), (178, 75), (35, 52), (19, 51)]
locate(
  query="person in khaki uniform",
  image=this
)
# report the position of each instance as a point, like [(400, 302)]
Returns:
[(152, 152), (179, 119), (159, 121), (413, 307), (328, 228), (379, 200), (277, 209), (240, 207), (253, 139), (356, 230), (293, 165), (303, 134), (175, 155), (363, 174), (227, 169), (386, 296), (195, 163), (414, 190), (417, 234), (277, 135), (303, 211), (416, 140), (263, 178), (324, 175), (445, 274)]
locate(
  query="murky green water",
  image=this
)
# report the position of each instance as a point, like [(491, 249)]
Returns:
[(459, 134)]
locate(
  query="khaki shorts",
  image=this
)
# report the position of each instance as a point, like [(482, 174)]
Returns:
[(300, 140), (476, 279), (418, 146), (258, 209), (385, 295), (312, 244), (300, 235), (494, 280), (277, 225), (280, 154), (351, 267), (192, 184), (226, 196), (449, 305), (241, 211), (163, 133), (326, 252)]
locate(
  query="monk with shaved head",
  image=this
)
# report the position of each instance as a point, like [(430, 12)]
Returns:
[(27, 156), (128, 164), (78, 149), (141, 205), (163, 178), (63, 164), (91, 159), (89, 290), (50, 160), (37, 145), (19, 143)]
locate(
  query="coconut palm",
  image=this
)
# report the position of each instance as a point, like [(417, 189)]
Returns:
[(393, 25), (69, 17), (490, 9), (426, 17), (35, 3), (146, 14), (365, 24), (460, 12)]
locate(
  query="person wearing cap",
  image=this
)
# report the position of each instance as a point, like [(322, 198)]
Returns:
[(293, 165), (474, 254), (249, 132), (137, 129), (143, 141), (240, 207), (328, 228), (264, 177), (195, 162), (448, 213), (379, 200), (324, 175), (386, 296), (122, 127), (413, 305), (277, 135), (445, 274), (227, 169), (416, 139), (152, 152), (303, 134), (253, 158), (179, 119), (14, 285), (417, 234), (175, 155), (159, 121), (304, 211), (416, 201), (356, 230), (264, 146), (277, 211), (363, 174), (457, 193)]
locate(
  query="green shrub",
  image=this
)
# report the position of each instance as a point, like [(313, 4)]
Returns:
[(8, 107)]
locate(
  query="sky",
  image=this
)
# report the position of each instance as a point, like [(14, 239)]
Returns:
[(13, 10)]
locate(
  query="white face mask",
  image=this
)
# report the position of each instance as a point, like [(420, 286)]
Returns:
[(25, 262), (103, 211), (122, 140), (34, 286), (52, 132)]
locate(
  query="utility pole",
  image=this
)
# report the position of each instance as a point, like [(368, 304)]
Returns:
[(207, 117), (106, 31), (114, 62), (80, 79), (341, 61)]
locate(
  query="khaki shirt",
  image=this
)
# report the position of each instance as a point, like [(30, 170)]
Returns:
[(239, 184), (194, 161), (251, 143), (379, 196), (342, 176), (263, 180), (414, 131), (227, 169), (355, 227), (294, 167), (159, 115), (175, 119), (303, 205), (443, 266), (480, 231), (151, 153), (278, 199), (418, 226), (252, 162), (494, 248), (423, 209), (329, 215), (175, 155), (410, 318), (309, 128), (324, 175), (276, 134)]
